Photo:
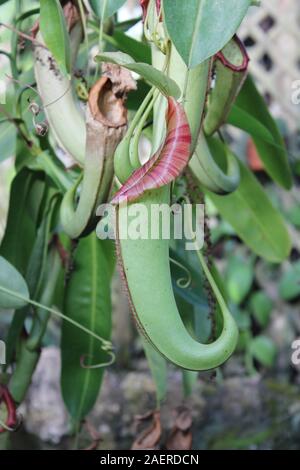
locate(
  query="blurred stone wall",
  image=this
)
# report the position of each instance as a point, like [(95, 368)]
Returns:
[(272, 36)]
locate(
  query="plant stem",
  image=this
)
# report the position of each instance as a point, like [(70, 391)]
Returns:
[(23, 372)]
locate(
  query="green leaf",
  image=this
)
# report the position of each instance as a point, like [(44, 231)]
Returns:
[(20, 229), (53, 169), (139, 51), (127, 24), (242, 318), (37, 263), (11, 279), (87, 301), (36, 266), (54, 31), (203, 27), (289, 286), (240, 118), (165, 84), (158, 366), (239, 278), (7, 140), (261, 306), (254, 219), (293, 215), (136, 97), (263, 350), (273, 156), (106, 8)]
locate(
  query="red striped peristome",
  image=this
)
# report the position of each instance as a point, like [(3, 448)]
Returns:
[(167, 163), (144, 4)]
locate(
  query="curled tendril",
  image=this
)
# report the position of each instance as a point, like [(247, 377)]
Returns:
[(105, 344), (29, 87), (34, 108), (100, 365), (40, 127), (182, 282)]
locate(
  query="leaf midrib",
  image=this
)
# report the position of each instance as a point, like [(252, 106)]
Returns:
[(195, 30), (94, 273)]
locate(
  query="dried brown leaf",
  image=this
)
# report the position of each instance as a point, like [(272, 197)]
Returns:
[(150, 436), (181, 436)]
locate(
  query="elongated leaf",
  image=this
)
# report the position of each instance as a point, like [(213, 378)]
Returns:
[(20, 227), (37, 263), (54, 32), (274, 156), (240, 118), (167, 163), (139, 51), (35, 276), (7, 140), (127, 24), (53, 168), (88, 302), (106, 8), (200, 28), (165, 84), (136, 97), (254, 218), (11, 279), (27, 195)]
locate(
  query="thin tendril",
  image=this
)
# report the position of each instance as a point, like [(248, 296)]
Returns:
[(106, 345), (182, 282), (207, 272), (23, 35), (59, 98), (33, 89), (101, 364)]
